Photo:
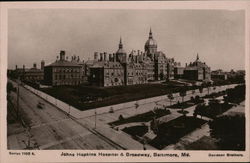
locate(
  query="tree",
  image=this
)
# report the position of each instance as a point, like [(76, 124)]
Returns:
[(136, 106), (9, 87), (208, 87), (170, 97), (199, 110), (154, 125), (121, 118), (183, 93)]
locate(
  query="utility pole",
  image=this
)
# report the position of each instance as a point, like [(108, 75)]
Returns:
[(95, 118), (69, 111), (17, 111)]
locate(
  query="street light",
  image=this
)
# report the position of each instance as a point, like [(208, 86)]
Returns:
[(69, 111), (95, 118), (18, 94)]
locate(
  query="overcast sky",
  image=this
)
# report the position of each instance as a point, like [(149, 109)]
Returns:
[(217, 35)]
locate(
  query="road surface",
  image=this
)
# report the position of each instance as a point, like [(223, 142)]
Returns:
[(50, 128)]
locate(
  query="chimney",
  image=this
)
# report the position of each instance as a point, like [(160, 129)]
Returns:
[(23, 67), (42, 64), (96, 56), (101, 56), (62, 55), (16, 67), (114, 57), (186, 64), (110, 57), (34, 65), (78, 58), (105, 56)]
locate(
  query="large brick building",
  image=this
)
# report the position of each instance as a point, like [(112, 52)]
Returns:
[(63, 72), (136, 68), (119, 68)]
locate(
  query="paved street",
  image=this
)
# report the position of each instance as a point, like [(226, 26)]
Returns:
[(53, 129)]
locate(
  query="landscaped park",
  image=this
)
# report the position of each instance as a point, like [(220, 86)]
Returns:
[(170, 132), (88, 97)]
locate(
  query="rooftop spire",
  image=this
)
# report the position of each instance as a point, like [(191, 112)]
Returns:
[(197, 58), (120, 44), (150, 33)]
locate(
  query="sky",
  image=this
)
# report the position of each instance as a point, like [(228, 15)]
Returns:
[(218, 36)]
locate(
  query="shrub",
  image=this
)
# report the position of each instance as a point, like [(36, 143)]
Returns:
[(121, 118)]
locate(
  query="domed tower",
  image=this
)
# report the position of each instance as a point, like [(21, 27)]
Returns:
[(121, 54), (150, 45)]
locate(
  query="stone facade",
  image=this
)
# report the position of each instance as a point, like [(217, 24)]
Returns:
[(198, 71), (63, 72), (136, 68), (33, 74)]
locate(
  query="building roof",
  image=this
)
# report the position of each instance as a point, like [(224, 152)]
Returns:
[(196, 64), (33, 70), (63, 63), (150, 42), (121, 51), (107, 64)]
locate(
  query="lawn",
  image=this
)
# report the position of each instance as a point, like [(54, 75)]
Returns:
[(136, 130), (144, 117), (182, 105), (87, 97), (172, 131), (214, 109)]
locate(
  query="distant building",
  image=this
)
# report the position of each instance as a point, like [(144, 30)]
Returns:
[(178, 72), (106, 71), (117, 69), (218, 74), (63, 72), (33, 74), (198, 71)]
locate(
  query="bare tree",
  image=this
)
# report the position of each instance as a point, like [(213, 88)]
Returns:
[(170, 97)]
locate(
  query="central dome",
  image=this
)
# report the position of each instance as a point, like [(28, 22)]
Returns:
[(150, 45), (151, 42)]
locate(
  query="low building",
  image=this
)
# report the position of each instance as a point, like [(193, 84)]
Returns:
[(178, 72), (218, 74), (197, 70), (33, 74), (63, 72)]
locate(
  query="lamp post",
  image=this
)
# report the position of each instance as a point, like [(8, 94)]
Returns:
[(69, 111), (95, 118), (18, 94)]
